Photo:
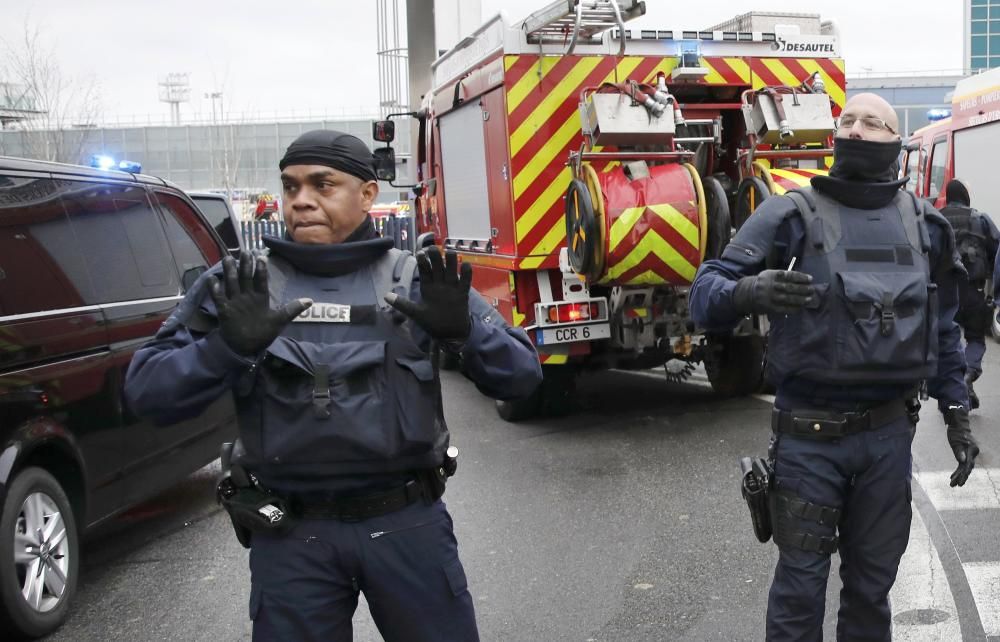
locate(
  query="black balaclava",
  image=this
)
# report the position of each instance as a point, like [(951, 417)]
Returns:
[(957, 193), (350, 155), (863, 173)]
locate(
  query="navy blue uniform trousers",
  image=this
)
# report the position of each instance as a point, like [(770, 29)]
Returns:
[(305, 585), (867, 476), (975, 318)]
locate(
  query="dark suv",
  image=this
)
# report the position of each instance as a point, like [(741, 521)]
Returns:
[(91, 263)]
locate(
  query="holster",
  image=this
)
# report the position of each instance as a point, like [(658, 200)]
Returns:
[(251, 508), (756, 486)]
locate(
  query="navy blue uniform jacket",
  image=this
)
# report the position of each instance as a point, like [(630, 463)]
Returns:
[(712, 309), (181, 371)]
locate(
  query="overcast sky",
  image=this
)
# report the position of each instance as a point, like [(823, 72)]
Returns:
[(320, 55)]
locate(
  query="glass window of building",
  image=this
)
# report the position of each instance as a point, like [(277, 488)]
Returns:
[(978, 63), (979, 26), (980, 13), (979, 45)]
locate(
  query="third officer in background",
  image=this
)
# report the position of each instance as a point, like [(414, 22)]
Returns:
[(328, 346), (977, 239), (867, 314)]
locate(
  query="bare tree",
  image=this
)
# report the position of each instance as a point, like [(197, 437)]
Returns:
[(58, 111)]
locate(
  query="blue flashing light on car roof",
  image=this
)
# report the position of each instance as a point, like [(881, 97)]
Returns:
[(130, 166), (938, 114), (100, 161)]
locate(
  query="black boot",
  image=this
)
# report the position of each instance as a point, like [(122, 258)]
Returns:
[(973, 397)]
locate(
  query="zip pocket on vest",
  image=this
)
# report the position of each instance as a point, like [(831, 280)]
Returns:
[(351, 397), (884, 324), (416, 395)]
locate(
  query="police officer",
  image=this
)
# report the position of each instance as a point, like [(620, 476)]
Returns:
[(977, 239), (866, 315), (327, 346)]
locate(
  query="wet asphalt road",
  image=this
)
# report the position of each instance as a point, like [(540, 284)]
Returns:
[(620, 522)]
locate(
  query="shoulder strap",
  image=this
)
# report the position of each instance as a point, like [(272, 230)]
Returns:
[(820, 218), (278, 273), (914, 221), (393, 272)]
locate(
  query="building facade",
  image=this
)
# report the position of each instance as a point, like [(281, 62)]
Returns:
[(198, 157), (982, 34)]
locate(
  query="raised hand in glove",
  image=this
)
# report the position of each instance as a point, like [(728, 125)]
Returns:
[(773, 292), (443, 311), (961, 441), (246, 321)]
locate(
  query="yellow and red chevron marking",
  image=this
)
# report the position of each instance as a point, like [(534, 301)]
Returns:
[(792, 71), (652, 245), (789, 179), (543, 123), (652, 234)]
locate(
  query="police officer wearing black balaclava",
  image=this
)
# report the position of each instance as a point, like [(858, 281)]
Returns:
[(977, 239), (329, 347), (866, 315)]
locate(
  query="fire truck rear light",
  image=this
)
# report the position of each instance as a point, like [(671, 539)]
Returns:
[(572, 312)]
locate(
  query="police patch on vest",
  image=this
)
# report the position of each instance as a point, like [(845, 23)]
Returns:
[(325, 313)]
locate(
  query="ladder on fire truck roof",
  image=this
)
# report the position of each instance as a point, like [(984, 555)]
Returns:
[(581, 19)]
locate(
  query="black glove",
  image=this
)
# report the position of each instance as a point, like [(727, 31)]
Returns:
[(962, 443), (444, 309), (773, 292), (246, 320)]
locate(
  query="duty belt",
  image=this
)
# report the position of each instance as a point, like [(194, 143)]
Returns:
[(358, 508), (828, 424)]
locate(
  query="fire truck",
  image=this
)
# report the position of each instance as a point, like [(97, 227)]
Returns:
[(962, 146), (587, 170)]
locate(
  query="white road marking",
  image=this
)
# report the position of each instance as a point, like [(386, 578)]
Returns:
[(923, 608), (767, 398), (981, 491), (984, 581)]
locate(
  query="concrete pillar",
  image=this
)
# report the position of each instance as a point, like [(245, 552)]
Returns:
[(420, 38)]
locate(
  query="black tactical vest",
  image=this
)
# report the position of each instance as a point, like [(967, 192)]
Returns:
[(344, 390), (970, 240), (874, 317)]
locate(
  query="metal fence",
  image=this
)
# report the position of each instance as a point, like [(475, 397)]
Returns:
[(253, 231), (400, 229)]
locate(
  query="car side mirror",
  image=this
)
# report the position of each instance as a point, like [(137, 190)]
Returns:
[(384, 131), (385, 164), (190, 276)]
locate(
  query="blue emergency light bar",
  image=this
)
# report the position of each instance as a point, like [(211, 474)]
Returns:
[(938, 114), (105, 162)]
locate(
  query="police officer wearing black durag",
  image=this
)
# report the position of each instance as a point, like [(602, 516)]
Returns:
[(326, 345), (867, 313), (977, 239)]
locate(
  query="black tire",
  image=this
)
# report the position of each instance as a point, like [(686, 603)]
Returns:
[(735, 364), (582, 232), (515, 410), (554, 397), (750, 194), (719, 221), (450, 361), (18, 619), (558, 390)]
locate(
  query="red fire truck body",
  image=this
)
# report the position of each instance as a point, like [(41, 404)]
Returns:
[(587, 170)]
